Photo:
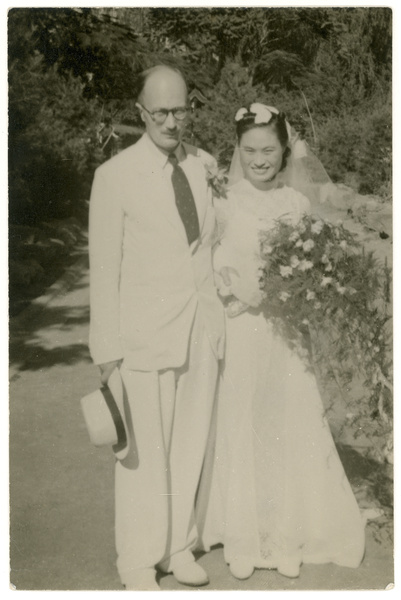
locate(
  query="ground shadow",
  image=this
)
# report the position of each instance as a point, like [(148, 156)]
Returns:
[(33, 268), (360, 467), (373, 486), (48, 335)]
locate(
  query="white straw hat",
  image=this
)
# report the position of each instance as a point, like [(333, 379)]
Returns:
[(105, 417)]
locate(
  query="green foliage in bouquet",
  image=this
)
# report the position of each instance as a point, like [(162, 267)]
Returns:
[(330, 300)]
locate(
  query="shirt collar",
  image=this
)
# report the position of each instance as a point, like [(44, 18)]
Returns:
[(159, 156)]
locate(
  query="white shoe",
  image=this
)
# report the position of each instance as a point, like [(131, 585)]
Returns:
[(241, 568), (289, 567), (191, 574), (142, 579)]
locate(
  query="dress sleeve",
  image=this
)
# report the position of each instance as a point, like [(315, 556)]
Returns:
[(223, 255), (239, 250), (223, 211)]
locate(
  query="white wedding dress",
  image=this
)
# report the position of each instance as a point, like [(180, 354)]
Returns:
[(274, 488)]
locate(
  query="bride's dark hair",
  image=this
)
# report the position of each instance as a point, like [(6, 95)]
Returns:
[(277, 123)]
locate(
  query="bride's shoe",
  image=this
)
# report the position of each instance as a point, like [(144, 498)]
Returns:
[(289, 566), (241, 568)]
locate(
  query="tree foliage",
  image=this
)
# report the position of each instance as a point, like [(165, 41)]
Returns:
[(328, 68), (67, 68)]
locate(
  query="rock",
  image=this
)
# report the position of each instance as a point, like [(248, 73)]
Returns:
[(352, 179), (338, 195), (368, 514), (372, 205)]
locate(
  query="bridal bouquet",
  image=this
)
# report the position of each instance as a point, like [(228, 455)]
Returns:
[(330, 300)]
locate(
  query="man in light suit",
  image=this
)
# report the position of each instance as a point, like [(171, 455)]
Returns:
[(156, 317)]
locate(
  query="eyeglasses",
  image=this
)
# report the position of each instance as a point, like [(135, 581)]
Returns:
[(160, 115)]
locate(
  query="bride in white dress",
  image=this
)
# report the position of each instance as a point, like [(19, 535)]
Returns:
[(277, 494)]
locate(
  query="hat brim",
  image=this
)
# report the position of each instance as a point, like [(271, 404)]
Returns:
[(105, 418), (117, 401)]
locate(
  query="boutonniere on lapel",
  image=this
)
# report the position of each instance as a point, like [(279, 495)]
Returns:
[(217, 179)]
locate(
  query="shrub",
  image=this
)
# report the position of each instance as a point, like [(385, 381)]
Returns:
[(212, 126), (53, 145), (374, 155), (354, 144), (359, 142)]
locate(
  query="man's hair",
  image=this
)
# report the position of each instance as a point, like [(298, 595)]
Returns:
[(144, 76)]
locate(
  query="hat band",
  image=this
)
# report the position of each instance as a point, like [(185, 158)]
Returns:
[(117, 418)]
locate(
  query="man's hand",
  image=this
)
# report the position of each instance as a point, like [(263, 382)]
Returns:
[(106, 370)]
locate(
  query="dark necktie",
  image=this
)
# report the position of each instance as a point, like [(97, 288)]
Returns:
[(184, 200)]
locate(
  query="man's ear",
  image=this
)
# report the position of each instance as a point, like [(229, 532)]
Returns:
[(140, 110)]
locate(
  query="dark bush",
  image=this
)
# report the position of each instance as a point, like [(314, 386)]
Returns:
[(53, 147)]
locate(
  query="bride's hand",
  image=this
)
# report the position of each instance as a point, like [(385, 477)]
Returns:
[(225, 274)]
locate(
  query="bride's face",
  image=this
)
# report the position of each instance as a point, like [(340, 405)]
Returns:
[(261, 155)]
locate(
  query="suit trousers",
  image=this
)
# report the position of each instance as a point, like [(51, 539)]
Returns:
[(168, 418)]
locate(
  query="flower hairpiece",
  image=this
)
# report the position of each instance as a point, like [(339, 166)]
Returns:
[(263, 113)]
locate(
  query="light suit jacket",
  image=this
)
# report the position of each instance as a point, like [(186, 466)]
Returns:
[(146, 283)]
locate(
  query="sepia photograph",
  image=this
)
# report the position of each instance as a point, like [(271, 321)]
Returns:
[(200, 298)]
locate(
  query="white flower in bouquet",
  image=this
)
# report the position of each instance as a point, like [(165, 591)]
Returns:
[(294, 236), (340, 288), (339, 298), (285, 271), (317, 227), (326, 281), (284, 296), (305, 265), (308, 245)]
